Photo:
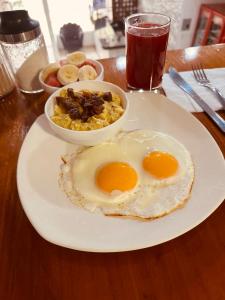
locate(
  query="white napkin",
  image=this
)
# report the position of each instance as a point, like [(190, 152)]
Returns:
[(174, 93)]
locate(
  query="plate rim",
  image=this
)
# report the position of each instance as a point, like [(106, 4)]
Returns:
[(116, 249)]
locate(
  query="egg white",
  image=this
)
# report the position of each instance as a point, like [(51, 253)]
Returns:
[(141, 142), (79, 171), (150, 198)]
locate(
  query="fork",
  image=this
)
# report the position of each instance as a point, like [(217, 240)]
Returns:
[(202, 79)]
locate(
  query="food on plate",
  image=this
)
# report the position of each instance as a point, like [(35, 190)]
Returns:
[(52, 80), (142, 173), (67, 74), (76, 58), (50, 75), (50, 69), (75, 67), (87, 72), (86, 110)]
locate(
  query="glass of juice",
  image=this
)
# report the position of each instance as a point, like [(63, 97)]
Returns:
[(146, 43)]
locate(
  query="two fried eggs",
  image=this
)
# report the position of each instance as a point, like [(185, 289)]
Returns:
[(142, 173)]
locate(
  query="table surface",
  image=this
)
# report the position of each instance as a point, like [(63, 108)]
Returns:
[(188, 267)]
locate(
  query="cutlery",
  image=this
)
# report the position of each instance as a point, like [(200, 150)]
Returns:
[(185, 86), (202, 79)]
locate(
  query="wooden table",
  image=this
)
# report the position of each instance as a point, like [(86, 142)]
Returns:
[(189, 267)]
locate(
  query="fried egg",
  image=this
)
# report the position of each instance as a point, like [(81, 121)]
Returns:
[(141, 173)]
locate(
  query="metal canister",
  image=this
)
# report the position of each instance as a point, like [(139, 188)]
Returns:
[(24, 47)]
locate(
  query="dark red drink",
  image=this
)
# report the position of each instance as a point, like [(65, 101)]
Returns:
[(146, 53)]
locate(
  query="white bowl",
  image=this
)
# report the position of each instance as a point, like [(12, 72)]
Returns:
[(51, 89), (92, 137)]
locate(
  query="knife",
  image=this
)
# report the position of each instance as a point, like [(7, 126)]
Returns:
[(185, 86)]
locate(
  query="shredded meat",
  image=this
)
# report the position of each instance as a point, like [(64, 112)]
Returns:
[(82, 105)]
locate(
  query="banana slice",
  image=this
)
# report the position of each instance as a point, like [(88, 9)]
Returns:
[(87, 72), (51, 68), (76, 58), (67, 74)]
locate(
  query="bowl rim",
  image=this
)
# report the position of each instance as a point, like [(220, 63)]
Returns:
[(57, 88), (87, 132)]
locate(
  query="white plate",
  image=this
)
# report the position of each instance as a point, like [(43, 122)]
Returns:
[(57, 220)]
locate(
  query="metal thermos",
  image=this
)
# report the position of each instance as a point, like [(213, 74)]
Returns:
[(24, 47)]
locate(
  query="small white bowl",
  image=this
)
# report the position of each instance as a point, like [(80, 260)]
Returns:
[(51, 89), (92, 137)]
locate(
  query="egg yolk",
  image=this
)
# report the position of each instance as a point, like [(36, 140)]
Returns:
[(160, 164), (116, 176)]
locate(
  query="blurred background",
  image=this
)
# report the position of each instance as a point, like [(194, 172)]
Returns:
[(97, 27)]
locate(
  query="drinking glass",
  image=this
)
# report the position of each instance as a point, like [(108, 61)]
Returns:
[(146, 43)]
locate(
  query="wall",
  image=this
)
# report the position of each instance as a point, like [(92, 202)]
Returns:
[(190, 9), (171, 8), (177, 10)]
